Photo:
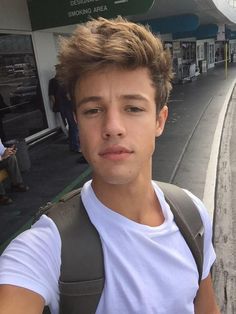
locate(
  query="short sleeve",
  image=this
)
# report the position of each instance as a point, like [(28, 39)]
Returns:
[(32, 260)]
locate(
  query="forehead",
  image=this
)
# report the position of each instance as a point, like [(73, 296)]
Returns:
[(115, 81)]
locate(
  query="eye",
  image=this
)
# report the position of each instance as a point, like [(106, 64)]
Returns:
[(92, 111), (134, 109)]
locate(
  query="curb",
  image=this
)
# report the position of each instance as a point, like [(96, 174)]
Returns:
[(211, 173)]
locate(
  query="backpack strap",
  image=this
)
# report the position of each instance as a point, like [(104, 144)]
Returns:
[(188, 220), (82, 271)]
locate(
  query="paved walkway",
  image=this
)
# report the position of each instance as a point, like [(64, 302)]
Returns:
[(182, 154)]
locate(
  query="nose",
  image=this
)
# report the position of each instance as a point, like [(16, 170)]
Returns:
[(113, 124)]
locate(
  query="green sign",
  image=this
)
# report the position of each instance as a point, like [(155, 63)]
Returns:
[(54, 13)]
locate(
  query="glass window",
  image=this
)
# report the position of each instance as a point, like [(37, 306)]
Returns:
[(21, 107), (200, 51), (189, 51)]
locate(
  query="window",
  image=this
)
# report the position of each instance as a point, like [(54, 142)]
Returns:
[(24, 113), (200, 51), (189, 51)]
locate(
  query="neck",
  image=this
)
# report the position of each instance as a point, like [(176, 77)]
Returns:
[(137, 200)]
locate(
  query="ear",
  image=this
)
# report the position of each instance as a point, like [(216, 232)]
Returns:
[(161, 120)]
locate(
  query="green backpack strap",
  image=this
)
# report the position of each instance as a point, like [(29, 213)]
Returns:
[(188, 220), (82, 270)]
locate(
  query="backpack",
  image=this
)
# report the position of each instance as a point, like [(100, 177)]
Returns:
[(81, 287)]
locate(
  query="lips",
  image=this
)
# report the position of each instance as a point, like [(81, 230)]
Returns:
[(116, 153)]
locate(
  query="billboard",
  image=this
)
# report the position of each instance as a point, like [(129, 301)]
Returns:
[(53, 13)]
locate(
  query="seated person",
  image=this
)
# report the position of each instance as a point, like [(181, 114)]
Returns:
[(8, 161)]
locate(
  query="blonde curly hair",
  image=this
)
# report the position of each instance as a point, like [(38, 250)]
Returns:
[(116, 42)]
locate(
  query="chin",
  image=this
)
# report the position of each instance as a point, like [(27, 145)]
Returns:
[(103, 176), (116, 179)]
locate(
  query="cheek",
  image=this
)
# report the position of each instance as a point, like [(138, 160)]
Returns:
[(151, 130), (83, 138), (146, 137), (88, 138)]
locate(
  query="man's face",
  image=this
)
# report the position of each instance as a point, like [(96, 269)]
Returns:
[(118, 123)]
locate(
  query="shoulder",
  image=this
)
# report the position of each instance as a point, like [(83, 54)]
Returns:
[(209, 253), (42, 240), (202, 209), (44, 230), (198, 203)]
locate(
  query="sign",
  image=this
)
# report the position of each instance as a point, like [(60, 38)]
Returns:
[(53, 13)]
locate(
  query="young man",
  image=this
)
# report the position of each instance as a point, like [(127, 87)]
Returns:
[(119, 78)]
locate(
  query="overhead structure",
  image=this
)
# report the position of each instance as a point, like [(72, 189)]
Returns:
[(208, 11)]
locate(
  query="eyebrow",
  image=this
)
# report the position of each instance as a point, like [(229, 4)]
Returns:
[(134, 97), (88, 99), (99, 98)]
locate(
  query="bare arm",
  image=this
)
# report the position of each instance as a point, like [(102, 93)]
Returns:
[(205, 302), (16, 300)]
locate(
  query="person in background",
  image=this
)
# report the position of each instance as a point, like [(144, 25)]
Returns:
[(8, 161), (61, 102)]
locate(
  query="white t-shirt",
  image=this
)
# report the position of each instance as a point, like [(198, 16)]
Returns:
[(147, 269)]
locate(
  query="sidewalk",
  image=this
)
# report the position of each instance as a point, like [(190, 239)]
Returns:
[(224, 274), (181, 156)]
